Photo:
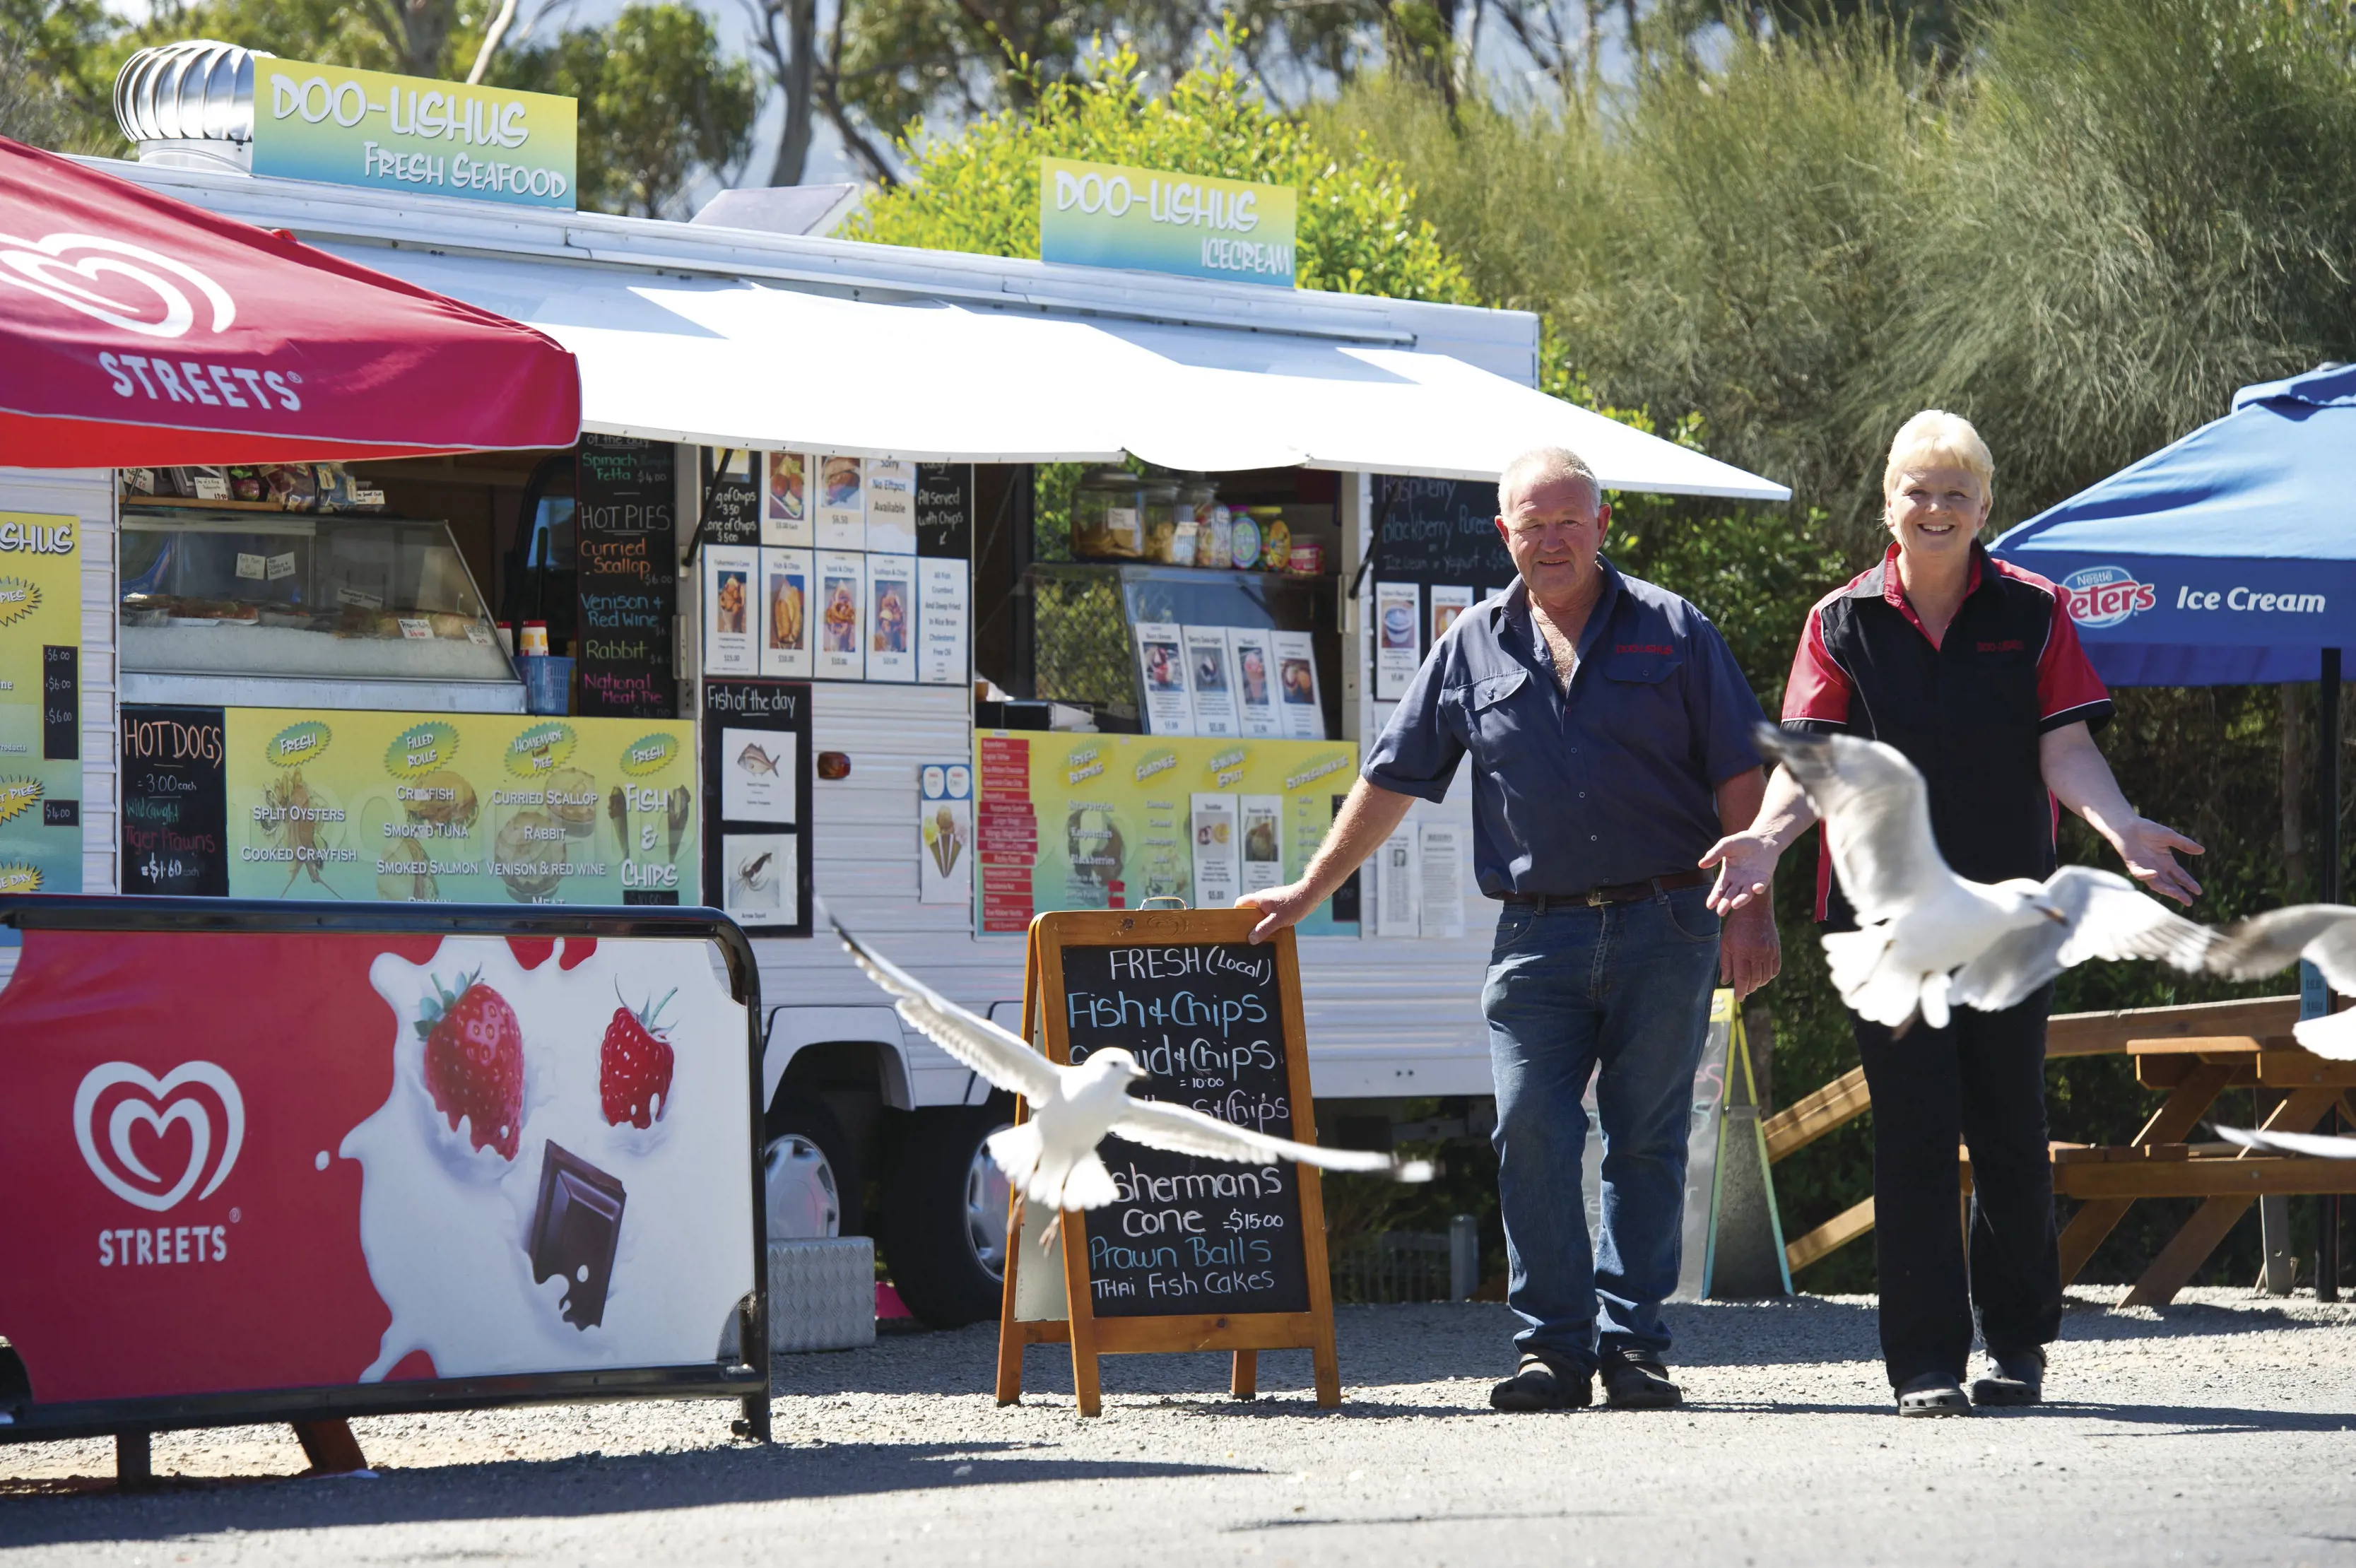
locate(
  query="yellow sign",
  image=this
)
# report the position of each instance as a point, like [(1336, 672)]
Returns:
[(40, 703), (469, 808), (403, 132)]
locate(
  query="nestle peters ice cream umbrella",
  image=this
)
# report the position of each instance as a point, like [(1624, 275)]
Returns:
[(135, 330)]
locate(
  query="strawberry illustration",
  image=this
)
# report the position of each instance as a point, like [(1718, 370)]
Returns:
[(634, 1067), (474, 1063)]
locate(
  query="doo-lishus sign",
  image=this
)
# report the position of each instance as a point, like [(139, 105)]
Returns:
[(1103, 215), (444, 138)]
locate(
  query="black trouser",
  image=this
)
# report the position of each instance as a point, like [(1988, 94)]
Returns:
[(1982, 1077)]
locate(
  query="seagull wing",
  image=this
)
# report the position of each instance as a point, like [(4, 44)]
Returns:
[(999, 1055), (1182, 1129), (1877, 817), (2291, 1143), (2103, 916), (2326, 933)]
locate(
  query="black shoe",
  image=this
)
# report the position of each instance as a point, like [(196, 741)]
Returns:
[(1932, 1393), (1541, 1383), (2019, 1379), (1633, 1379)]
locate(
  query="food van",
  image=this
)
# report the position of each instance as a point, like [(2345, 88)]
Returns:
[(917, 590)]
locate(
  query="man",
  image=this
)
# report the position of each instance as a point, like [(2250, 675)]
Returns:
[(1609, 729)]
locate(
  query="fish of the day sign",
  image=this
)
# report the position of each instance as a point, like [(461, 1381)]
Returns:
[(1104, 214), (402, 133)]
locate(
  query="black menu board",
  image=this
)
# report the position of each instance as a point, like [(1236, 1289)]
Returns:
[(757, 804), (174, 802), (732, 498), (1192, 1235), (945, 509), (627, 522), (1439, 531)]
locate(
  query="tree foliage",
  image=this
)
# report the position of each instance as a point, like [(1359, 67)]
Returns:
[(979, 191)]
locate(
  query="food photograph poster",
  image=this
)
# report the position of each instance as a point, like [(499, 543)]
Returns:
[(462, 808)]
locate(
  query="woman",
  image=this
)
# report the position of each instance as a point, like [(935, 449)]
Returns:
[(1972, 668)]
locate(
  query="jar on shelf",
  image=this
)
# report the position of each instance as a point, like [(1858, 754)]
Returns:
[(1275, 539), (1215, 537), (1158, 500), (1108, 516)]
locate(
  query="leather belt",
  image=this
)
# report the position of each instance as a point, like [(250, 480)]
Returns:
[(1617, 893)]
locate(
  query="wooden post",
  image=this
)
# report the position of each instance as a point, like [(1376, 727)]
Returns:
[(1243, 1381), (1010, 1333), (135, 1469), (330, 1446)]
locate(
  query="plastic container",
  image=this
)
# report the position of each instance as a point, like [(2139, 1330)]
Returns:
[(1214, 538), (1275, 539), (1108, 516), (535, 640), (547, 683), (1244, 552), (1307, 559)]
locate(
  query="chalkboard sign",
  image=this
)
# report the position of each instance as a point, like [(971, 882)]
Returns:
[(757, 804), (1439, 531), (1194, 1255), (732, 498), (626, 519), (174, 802), (945, 509)]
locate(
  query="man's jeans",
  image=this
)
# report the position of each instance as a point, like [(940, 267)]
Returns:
[(1626, 987)]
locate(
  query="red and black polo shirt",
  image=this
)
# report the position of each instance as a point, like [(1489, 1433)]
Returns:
[(1967, 710)]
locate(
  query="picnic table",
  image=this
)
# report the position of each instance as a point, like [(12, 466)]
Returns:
[(2192, 1053)]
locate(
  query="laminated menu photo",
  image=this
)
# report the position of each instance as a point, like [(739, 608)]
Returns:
[(1399, 637), (941, 618), (842, 615), (785, 502), (1161, 673), (841, 503), (1439, 894), (1296, 685), (786, 620), (758, 771), (1212, 693), (1447, 603), (891, 617), (891, 507), (1251, 665), (1217, 877), (1263, 842), (732, 610)]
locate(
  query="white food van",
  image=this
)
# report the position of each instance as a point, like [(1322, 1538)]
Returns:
[(1322, 414)]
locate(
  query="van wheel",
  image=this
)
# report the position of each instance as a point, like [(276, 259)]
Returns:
[(810, 1175), (944, 1223)]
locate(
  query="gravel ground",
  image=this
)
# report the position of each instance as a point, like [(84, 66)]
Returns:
[(2216, 1431)]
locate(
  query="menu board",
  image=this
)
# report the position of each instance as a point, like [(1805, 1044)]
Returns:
[(40, 702), (732, 498), (1187, 1234), (945, 509), (174, 802), (1436, 552), (459, 808), (627, 522), (1093, 822), (757, 791)]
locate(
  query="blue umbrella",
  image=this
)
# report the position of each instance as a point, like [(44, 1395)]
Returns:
[(2227, 559)]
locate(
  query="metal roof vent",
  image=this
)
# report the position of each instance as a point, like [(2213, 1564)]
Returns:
[(190, 104)]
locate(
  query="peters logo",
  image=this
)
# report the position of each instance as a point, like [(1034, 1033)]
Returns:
[(2101, 596), (156, 1104)]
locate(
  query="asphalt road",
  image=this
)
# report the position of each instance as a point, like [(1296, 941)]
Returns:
[(2216, 1431)]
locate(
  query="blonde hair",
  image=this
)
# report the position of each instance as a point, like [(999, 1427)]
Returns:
[(1536, 465), (1938, 435)]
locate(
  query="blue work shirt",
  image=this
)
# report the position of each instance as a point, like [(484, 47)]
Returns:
[(1614, 783)]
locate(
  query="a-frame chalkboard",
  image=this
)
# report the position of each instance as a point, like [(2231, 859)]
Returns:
[(1197, 1254)]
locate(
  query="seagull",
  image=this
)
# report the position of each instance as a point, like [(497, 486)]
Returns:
[(2291, 1143), (1929, 941), (1052, 1158), (2323, 935)]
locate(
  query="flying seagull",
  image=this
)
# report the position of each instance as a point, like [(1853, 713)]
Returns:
[(2291, 1143), (1052, 1158), (1929, 941), (2323, 935)]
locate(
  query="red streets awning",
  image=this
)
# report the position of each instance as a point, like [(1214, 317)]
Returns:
[(136, 330)]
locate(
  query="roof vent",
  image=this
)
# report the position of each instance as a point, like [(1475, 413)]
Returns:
[(190, 104)]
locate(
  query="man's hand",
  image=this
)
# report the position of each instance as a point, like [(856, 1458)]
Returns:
[(1279, 907), (1750, 952), (2145, 846), (1746, 869)]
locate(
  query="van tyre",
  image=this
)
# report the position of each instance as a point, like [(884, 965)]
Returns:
[(942, 1229), (808, 1169)]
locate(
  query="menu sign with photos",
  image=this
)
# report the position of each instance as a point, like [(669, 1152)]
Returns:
[(892, 617), (756, 789), (843, 615), (841, 503), (786, 636), (732, 610), (732, 497), (40, 702), (625, 515), (785, 503), (945, 833)]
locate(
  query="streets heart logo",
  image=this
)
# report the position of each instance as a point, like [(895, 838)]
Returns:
[(93, 274), (131, 1097)]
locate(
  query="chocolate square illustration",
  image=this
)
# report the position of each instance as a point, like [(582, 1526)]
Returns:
[(574, 1231)]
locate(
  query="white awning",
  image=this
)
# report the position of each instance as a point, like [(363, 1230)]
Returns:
[(730, 363)]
